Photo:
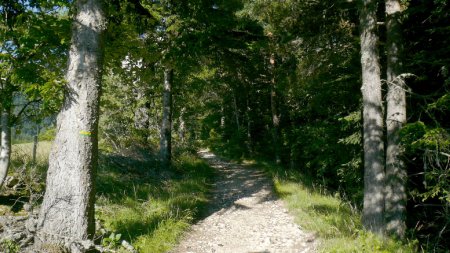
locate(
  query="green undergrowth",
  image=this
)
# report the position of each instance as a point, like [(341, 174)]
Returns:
[(150, 208), (336, 223)]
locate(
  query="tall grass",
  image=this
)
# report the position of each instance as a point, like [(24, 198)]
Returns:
[(146, 209), (24, 152), (336, 223)]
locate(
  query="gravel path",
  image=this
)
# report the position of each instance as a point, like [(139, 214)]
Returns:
[(245, 217)]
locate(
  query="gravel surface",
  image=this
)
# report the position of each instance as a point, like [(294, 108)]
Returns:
[(245, 216)]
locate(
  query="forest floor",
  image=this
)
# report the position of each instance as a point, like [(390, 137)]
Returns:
[(245, 215)]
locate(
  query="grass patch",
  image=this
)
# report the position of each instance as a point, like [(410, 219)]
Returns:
[(336, 223), (24, 152), (146, 209)]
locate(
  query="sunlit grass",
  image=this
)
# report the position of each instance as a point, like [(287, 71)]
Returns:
[(146, 210), (24, 151), (336, 223)]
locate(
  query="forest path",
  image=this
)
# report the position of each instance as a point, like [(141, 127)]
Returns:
[(245, 216)]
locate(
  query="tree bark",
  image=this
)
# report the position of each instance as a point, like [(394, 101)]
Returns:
[(274, 110), (236, 114), (395, 119), (249, 127), (165, 145), (5, 144), (35, 144), (67, 212), (374, 176), (182, 127), (141, 114), (222, 118)]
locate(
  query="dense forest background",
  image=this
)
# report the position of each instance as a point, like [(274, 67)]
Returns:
[(279, 81)]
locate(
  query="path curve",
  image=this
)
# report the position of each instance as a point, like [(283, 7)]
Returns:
[(245, 216)]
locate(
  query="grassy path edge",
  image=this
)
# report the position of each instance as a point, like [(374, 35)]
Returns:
[(336, 223)]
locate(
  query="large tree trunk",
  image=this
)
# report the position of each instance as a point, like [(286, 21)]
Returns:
[(373, 210), (165, 145), (395, 119), (5, 144), (67, 212), (274, 110)]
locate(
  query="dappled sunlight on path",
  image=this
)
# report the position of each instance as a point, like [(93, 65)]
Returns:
[(245, 216)]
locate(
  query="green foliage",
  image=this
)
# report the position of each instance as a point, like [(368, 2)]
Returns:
[(433, 145), (221, 55), (117, 127), (112, 241), (47, 135), (9, 246)]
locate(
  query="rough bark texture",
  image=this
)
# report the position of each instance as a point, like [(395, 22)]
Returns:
[(165, 145), (5, 145), (396, 117), (67, 212), (373, 210), (274, 110)]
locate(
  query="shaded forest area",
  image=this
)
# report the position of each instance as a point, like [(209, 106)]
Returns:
[(354, 95)]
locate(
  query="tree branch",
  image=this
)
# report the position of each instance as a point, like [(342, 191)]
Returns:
[(141, 10), (16, 118)]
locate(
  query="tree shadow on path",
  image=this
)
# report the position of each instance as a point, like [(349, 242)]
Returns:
[(236, 182)]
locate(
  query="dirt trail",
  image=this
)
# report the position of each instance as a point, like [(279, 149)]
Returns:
[(245, 217)]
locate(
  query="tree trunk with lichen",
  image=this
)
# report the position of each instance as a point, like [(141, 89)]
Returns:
[(374, 175), (395, 119), (5, 144), (67, 211)]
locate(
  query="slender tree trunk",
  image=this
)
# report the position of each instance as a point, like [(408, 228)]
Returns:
[(236, 113), (274, 110), (154, 119), (67, 212), (5, 144), (292, 149), (249, 127), (373, 210), (141, 114), (35, 144), (395, 119), (182, 128), (222, 119), (165, 145)]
